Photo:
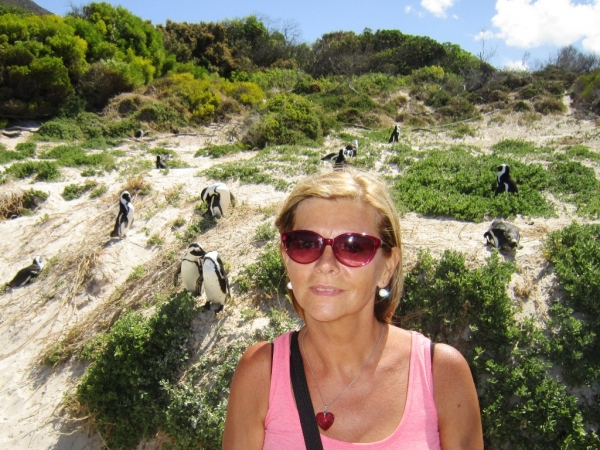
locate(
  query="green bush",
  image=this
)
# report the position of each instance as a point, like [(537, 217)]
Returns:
[(60, 130), (44, 170), (72, 191), (218, 151), (123, 390), (575, 253), (76, 156), (586, 92), (7, 156), (26, 148), (267, 273), (287, 119), (522, 404), (549, 105), (454, 183)]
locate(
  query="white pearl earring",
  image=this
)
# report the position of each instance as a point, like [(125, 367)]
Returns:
[(384, 293), (289, 285)]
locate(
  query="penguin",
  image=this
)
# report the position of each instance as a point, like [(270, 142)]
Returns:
[(330, 157), (502, 235), (124, 219), (24, 275), (216, 284), (340, 161), (219, 197), (160, 162), (191, 270), (395, 135), (504, 181), (350, 149)]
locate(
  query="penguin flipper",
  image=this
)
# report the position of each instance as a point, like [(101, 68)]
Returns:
[(117, 230)]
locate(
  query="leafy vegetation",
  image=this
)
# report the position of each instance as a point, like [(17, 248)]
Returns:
[(43, 170), (522, 404), (267, 274), (73, 191), (124, 389)]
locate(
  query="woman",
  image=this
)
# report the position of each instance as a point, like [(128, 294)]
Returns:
[(370, 383)]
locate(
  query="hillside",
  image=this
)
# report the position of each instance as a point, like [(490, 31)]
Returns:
[(90, 280), (26, 5)]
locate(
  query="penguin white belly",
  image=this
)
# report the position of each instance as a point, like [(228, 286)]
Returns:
[(213, 290), (190, 273)]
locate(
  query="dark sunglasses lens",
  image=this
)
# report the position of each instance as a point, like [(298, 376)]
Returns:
[(303, 246), (354, 250)]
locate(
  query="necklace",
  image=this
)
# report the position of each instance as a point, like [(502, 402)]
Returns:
[(325, 419)]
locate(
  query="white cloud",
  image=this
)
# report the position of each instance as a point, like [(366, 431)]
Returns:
[(533, 23), (484, 35), (437, 7), (408, 9), (517, 66)]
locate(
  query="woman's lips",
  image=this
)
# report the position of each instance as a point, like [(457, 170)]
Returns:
[(324, 290)]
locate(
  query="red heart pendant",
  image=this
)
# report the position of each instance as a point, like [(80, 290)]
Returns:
[(325, 420)]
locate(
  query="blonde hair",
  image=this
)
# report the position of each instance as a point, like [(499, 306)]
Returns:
[(368, 189)]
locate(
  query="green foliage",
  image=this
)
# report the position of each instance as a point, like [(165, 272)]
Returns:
[(267, 273), (249, 172), (455, 183), (218, 151), (123, 390), (60, 130), (549, 105), (575, 253), (287, 119), (73, 191), (44, 170), (265, 232), (522, 404), (7, 156), (75, 156), (586, 92), (26, 148), (155, 239)]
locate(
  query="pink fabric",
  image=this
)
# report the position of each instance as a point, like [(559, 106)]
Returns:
[(418, 429)]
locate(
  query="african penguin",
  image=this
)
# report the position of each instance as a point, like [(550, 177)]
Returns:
[(350, 149), (124, 219), (191, 270), (395, 135), (504, 181), (27, 273), (340, 162), (502, 235), (330, 157), (219, 197), (160, 162), (216, 284)]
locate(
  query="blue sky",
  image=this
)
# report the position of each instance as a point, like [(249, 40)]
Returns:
[(516, 33)]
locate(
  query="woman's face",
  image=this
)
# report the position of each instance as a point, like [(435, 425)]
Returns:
[(326, 289)]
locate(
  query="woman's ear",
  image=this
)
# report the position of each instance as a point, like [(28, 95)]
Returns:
[(391, 262)]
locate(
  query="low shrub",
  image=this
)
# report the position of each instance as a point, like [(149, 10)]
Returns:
[(75, 156), (44, 170), (454, 183), (549, 105), (73, 191), (218, 151), (26, 148), (123, 391), (575, 253), (267, 274), (522, 404), (60, 130)]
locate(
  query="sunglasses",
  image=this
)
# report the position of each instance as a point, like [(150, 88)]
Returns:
[(351, 249)]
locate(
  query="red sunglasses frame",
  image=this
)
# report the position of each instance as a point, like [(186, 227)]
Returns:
[(323, 242)]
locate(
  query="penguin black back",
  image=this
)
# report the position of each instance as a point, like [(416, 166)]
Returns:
[(395, 135), (502, 235), (27, 273), (160, 163), (340, 161), (504, 181)]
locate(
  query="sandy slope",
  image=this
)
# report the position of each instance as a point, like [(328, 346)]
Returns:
[(32, 317)]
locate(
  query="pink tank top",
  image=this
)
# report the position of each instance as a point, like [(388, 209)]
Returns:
[(417, 430)]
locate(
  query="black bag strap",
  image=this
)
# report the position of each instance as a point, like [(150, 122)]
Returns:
[(310, 430)]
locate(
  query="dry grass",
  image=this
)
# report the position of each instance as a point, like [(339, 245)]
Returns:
[(154, 283), (137, 185), (15, 203)]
